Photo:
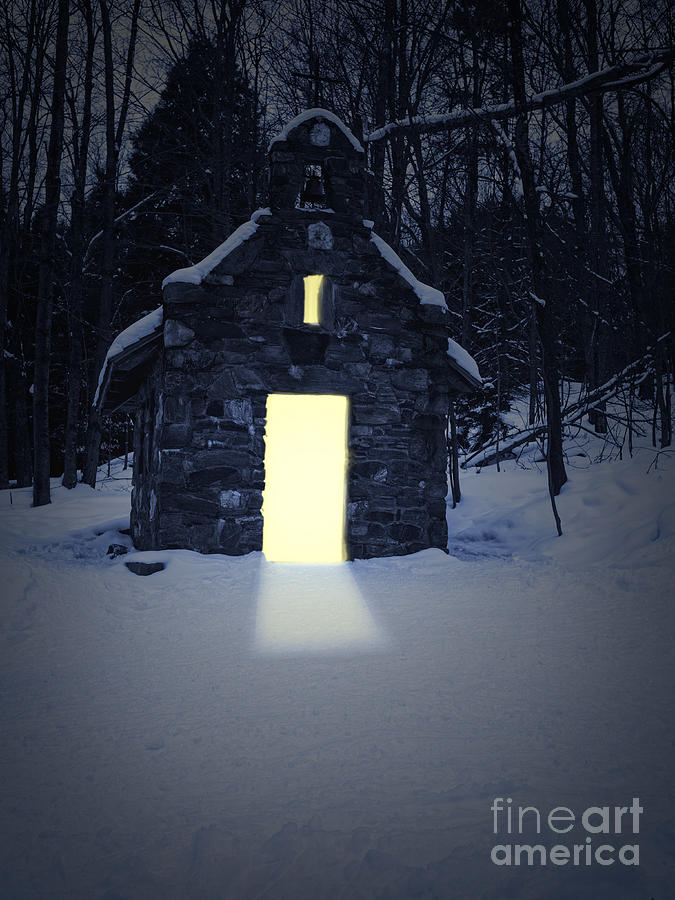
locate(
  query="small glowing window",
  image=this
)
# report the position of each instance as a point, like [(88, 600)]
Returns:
[(312, 313)]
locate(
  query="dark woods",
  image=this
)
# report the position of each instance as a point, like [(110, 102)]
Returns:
[(133, 142)]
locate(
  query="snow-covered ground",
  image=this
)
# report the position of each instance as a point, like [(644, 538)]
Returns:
[(230, 728)]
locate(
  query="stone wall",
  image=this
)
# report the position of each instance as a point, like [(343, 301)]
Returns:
[(238, 336), (148, 436)]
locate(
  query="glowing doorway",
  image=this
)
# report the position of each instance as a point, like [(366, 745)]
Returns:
[(305, 474)]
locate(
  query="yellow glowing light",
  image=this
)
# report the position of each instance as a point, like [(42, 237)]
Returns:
[(305, 473), (312, 299)]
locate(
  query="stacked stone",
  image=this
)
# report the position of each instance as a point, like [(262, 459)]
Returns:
[(238, 336)]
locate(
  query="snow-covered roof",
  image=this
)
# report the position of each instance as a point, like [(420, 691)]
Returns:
[(316, 113), (196, 274), (426, 293), (135, 332), (464, 360)]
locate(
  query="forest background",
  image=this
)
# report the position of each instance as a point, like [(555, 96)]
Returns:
[(520, 158)]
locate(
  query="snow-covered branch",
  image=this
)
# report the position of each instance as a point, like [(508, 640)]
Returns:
[(570, 416), (177, 252), (612, 78), (606, 390), (488, 453), (120, 218)]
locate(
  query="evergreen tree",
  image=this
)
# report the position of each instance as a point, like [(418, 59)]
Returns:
[(197, 154)]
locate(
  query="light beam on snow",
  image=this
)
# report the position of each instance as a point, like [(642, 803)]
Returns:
[(312, 609), (305, 472)]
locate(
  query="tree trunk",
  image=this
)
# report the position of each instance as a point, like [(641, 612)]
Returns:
[(533, 367), (41, 444), (427, 231), (76, 291), (114, 134), (4, 447), (621, 178), (586, 291), (554, 457), (9, 198), (23, 467), (594, 338), (454, 457), (74, 373), (470, 199), (377, 150)]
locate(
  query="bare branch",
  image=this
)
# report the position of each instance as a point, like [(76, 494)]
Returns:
[(612, 78), (570, 416), (119, 219)]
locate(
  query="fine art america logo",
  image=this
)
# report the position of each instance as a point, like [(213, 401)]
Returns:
[(590, 846)]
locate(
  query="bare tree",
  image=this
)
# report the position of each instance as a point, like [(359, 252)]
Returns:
[(81, 130), (24, 36), (41, 442), (115, 123), (541, 296)]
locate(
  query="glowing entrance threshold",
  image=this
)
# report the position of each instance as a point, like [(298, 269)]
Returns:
[(308, 610), (305, 472), (304, 607)]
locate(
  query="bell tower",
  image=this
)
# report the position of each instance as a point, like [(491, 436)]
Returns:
[(317, 164)]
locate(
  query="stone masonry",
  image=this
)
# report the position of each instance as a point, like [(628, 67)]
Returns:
[(238, 335)]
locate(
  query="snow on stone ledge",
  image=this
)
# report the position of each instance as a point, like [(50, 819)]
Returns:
[(463, 359), (196, 274), (427, 294), (140, 329), (311, 114)]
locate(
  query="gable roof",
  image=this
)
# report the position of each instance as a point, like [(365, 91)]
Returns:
[(464, 364), (426, 294), (197, 273), (132, 351), (126, 361)]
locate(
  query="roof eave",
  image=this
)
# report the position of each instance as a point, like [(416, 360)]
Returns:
[(461, 380), (125, 373)]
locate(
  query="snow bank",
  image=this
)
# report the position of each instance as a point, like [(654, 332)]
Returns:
[(616, 513), (613, 515), (316, 112), (160, 740), (140, 329), (196, 274)]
